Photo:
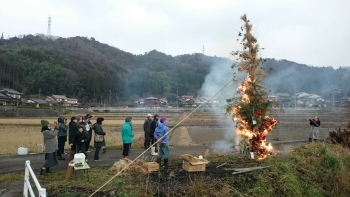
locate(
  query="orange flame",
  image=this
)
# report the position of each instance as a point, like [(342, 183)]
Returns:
[(256, 136)]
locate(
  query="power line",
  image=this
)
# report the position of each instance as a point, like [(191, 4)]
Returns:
[(217, 92)]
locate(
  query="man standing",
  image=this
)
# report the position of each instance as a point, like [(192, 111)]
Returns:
[(314, 131), (62, 136), (161, 134), (147, 130), (154, 125)]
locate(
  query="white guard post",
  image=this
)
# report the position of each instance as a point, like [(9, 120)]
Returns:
[(27, 186)]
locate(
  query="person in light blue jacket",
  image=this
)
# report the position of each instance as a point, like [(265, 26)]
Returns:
[(161, 134), (127, 136)]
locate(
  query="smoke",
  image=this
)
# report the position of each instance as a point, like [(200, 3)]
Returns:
[(290, 77), (220, 73)]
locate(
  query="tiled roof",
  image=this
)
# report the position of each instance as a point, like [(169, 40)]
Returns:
[(11, 91)]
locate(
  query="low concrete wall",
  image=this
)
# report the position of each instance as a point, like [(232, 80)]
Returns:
[(13, 111)]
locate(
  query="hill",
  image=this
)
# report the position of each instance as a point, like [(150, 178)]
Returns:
[(92, 71)]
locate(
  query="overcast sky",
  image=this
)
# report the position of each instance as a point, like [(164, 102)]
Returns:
[(313, 32)]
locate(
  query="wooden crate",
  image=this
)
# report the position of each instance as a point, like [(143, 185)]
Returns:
[(194, 166), (152, 166)]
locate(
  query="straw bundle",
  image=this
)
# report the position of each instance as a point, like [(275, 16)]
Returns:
[(138, 167)]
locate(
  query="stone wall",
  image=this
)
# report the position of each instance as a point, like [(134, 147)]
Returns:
[(13, 111)]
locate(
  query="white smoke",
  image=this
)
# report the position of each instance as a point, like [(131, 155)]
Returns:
[(220, 73)]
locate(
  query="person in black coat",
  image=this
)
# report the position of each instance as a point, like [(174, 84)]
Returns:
[(79, 141), (154, 125), (73, 129)]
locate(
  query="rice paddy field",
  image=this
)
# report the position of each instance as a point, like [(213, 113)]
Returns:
[(201, 128)]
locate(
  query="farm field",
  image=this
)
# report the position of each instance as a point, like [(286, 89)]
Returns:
[(202, 128)]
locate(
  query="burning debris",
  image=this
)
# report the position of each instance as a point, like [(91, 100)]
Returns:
[(250, 109)]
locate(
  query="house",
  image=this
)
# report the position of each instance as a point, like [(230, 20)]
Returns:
[(151, 102), (187, 102), (72, 101), (5, 100), (11, 92), (35, 101), (9, 96), (140, 103), (61, 99), (163, 102)]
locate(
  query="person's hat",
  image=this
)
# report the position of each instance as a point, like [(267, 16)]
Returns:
[(44, 123), (128, 119), (162, 119), (149, 115)]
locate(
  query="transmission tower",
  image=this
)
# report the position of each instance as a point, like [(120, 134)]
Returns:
[(203, 49), (49, 27)]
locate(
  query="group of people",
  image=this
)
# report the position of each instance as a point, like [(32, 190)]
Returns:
[(155, 132), (79, 134)]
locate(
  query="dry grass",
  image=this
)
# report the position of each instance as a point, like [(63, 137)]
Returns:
[(137, 167), (14, 136), (36, 121)]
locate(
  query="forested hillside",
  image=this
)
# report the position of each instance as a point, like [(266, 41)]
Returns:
[(91, 71)]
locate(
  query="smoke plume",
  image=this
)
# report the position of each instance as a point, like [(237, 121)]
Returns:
[(220, 73)]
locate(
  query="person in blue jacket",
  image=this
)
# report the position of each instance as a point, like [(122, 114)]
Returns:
[(163, 140), (127, 136)]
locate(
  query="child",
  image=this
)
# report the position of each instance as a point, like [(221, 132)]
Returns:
[(79, 141)]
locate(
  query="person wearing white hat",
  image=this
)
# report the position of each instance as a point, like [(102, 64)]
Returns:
[(147, 130)]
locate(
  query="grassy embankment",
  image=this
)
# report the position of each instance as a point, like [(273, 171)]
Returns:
[(315, 169)]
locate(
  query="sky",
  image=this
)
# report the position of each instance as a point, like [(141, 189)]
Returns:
[(312, 32)]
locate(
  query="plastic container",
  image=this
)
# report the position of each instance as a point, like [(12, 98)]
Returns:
[(79, 158), (22, 150), (200, 157)]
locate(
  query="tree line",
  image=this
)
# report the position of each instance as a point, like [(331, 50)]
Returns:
[(94, 72)]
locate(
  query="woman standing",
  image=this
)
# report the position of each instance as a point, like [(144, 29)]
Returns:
[(127, 136), (99, 137), (50, 146)]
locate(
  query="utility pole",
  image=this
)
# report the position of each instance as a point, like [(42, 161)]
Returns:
[(203, 49), (295, 94), (49, 28)]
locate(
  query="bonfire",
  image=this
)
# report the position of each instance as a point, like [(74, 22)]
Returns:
[(249, 110)]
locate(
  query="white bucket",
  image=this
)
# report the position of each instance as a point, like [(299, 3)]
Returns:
[(200, 157), (153, 151), (22, 150)]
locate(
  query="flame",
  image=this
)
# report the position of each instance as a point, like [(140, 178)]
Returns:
[(256, 136)]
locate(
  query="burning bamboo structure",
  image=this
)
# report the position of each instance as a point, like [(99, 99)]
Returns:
[(249, 110)]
